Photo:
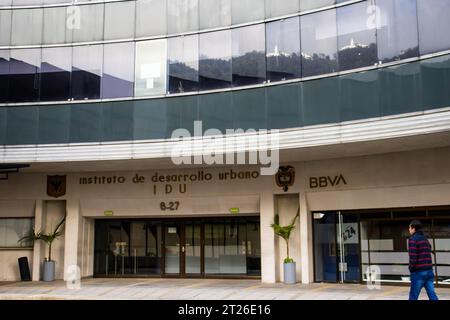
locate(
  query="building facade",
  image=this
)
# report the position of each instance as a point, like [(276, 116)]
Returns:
[(357, 94)]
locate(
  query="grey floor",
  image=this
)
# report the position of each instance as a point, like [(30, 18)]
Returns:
[(202, 289)]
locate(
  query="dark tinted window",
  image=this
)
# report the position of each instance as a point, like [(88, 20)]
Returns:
[(86, 72), (215, 60), (183, 64), (55, 73), (397, 33), (24, 75), (319, 43), (357, 36), (283, 49), (4, 75), (249, 61)]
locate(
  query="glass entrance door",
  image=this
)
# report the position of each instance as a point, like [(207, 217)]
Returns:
[(336, 246), (173, 249)]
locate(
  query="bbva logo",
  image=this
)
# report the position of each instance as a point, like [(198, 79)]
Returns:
[(326, 181)]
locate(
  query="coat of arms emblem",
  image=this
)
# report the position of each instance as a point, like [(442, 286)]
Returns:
[(56, 186), (285, 177)]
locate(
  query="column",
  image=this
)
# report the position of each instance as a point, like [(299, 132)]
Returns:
[(306, 241), (72, 235), (39, 246), (267, 238)]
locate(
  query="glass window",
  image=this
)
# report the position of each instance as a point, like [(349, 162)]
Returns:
[(118, 70), (26, 27), (182, 16), (357, 36), (5, 27), (4, 75), (119, 20), (397, 33), (274, 9), (86, 72), (91, 24), (5, 2), (55, 73), (26, 2), (183, 64), (151, 66), (215, 60), (55, 26), (151, 18), (283, 49), (314, 4), (249, 61), (215, 13), (319, 43), (24, 75), (11, 230), (434, 25), (247, 11)]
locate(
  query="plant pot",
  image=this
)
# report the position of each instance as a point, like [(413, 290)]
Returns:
[(289, 273), (49, 271)]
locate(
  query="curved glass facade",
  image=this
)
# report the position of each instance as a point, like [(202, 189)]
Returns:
[(364, 34), (70, 54), (412, 87)]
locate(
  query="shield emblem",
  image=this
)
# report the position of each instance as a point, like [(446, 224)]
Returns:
[(56, 186), (285, 177)]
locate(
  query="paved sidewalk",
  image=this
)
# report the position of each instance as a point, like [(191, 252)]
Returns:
[(201, 289)]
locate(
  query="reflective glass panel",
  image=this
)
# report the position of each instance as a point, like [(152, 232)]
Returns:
[(215, 13), (24, 75), (283, 49), (314, 4), (90, 27), (434, 25), (248, 49), (26, 27), (357, 43), (118, 70), (274, 9), (55, 26), (56, 66), (87, 72), (4, 75), (119, 20), (182, 15), (183, 64), (247, 11), (215, 60), (5, 27), (151, 68), (397, 33), (319, 43), (151, 18)]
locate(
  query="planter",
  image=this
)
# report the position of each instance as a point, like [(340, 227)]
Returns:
[(289, 273), (49, 271)]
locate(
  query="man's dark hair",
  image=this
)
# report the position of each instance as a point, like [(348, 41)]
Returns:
[(416, 225)]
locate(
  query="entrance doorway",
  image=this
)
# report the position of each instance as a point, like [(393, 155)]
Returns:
[(209, 247), (336, 247)]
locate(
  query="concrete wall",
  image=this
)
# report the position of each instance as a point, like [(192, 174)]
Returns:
[(9, 266)]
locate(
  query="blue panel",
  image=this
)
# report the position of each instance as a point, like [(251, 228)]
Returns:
[(283, 106), (358, 96), (319, 102), (54, 124), (117, 121), (85, 122), (436, 82), (22, 125), (400, 89), (182, 112), (215, 111), (150, 119), (249, 109)]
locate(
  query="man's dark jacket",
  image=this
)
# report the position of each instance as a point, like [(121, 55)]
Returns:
[(419, 253)]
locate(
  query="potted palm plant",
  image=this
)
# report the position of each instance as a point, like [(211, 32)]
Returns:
[(284, 232), (49, 264)]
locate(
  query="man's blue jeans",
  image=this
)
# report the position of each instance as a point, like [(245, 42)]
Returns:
[(420, 279)]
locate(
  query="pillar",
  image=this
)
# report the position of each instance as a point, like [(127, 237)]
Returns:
[(267, 238)]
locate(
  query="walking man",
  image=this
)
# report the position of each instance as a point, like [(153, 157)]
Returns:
[(420, 263)]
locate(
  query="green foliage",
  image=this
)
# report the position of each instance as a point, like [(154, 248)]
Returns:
[(285, 232), (47, 238)]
